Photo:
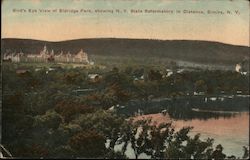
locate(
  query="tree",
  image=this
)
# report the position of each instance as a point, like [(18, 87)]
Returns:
[(217, 154), (50, 119), (115, 94), (88, 144), (69, 108), (105, 123), (115, 155), (246, 152), (200, 86), (146, 138), (154, 75), (162, 141)]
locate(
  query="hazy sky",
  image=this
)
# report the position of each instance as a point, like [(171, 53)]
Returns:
[(228, 28)]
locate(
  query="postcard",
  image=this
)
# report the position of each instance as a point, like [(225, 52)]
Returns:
[(125, 79)]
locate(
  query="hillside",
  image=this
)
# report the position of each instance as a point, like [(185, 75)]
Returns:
[(186, 50)]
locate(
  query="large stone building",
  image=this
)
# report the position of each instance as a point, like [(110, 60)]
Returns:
[(46, 56)]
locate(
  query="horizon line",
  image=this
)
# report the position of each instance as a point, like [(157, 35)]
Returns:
[(240, 45)]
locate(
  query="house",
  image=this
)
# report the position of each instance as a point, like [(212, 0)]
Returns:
[(38, 69), (94, 77), (22, 71), (53, 68), (241, 69), (180, 70), (91, 63), (164, 112), (199, 93), (238, 67), (169, 72), (213, 98), (239, 92)]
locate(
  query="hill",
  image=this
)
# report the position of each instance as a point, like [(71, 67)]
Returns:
[(185, 50)]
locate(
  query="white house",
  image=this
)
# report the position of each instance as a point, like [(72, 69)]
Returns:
[(238, 68)]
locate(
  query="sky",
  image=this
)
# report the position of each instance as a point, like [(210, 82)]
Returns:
[(58, 26)]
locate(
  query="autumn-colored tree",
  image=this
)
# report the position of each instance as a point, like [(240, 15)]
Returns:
[(70, 108), (88, 144)]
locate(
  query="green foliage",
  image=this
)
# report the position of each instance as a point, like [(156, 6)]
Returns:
[(194, 147), (70, 108), (200, 86), (34, 151), (43, 118), (74, 78), (114, 95), (115, 77), (115, 155), (88, 144), (106, 123), (154, 75), (51, 119), (162, 141)]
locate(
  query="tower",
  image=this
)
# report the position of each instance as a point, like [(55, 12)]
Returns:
[(82, 56), (44, 52), (52, 52)]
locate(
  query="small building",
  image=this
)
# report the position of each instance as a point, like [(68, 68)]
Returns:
[(238, 67), (83, 91), (199, 93), (22, 71), (93, 76)]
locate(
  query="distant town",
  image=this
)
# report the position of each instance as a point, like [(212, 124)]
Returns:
[(46, 56)]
